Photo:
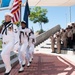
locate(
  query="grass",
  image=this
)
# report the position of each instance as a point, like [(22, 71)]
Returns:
[(0, 44)]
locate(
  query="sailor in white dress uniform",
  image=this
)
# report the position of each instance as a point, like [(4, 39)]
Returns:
[(10, 39), (32, 41), (24, 32)]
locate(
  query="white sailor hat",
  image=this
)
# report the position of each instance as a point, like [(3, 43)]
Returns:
[(23, 22), (9, 14), (69, 24), (58, 33)]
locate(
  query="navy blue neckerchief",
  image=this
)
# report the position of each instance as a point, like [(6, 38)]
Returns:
[(6, 25)]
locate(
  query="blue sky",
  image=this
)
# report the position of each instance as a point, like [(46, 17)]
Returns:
[(56, 15)]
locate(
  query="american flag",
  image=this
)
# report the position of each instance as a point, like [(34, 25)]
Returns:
[(16, 11)]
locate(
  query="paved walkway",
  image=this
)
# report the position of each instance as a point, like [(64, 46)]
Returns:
[(44, 64)]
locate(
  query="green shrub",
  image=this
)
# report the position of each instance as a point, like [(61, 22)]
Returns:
[(0, 44)]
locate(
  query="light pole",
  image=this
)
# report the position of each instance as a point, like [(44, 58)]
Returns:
[(70, 12), (66, 18)]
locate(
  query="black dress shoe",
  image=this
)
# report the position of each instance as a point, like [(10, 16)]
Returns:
[(32, 58), (20, 71), (23, 65), (7, 73), (30, 62)]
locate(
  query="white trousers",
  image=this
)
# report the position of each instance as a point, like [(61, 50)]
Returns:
[(31, 51), (22, 52), (5, 54)]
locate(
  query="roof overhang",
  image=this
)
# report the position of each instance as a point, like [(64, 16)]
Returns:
[(51, 2), (46, 3)]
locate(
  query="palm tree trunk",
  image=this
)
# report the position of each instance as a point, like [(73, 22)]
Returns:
[(41, 26)]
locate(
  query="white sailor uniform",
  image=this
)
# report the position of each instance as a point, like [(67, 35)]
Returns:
[(10, 39), (32, 41), (23, 44)]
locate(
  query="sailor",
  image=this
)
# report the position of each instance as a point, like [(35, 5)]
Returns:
[(10, 39), (24, 32), (32, 41), (64, 38), (73, 29), (52, 43), (58, 39), (70, 37)]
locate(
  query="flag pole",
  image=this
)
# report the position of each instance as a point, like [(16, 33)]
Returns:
[(20, 19), (26, 0), (20, 13)]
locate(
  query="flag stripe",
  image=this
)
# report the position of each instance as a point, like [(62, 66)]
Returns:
[(15, 17), (15, 4), (16, 11)]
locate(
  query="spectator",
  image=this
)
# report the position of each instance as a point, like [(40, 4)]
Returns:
[(58, 40), (52, 43), (64, 38), (73, 29), (69, 37)]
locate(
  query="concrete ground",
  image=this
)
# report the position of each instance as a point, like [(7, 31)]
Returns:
[(47, 63)]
